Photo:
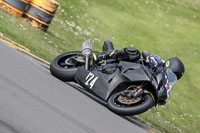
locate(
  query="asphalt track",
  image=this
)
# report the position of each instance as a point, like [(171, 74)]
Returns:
[(33, 101)]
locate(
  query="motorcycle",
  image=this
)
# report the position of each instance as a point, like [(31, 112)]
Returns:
[(128, 87)]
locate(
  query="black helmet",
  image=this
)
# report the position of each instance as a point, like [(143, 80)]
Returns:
[(176, 65)]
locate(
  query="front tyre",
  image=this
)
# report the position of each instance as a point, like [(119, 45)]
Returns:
[(126, 107), (62, 68)]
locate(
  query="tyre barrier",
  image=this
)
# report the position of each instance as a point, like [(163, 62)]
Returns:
[(39, 13), (47, 5), (14, 7), (35, 22)]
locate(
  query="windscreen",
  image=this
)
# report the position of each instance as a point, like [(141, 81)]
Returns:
[(172, 79)]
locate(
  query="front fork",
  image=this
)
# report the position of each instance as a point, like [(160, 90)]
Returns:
[(138, 92), (86, 61)]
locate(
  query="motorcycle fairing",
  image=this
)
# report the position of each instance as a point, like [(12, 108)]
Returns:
[(135, 71), (105, 84), (162, 92), (131, 72), (138, 72), (167, 82), (127, 72), (93, 82)]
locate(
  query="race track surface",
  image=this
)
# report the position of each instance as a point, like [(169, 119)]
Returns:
[(33, 101)]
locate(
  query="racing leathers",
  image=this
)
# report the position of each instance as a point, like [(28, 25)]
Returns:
[(131, 54)]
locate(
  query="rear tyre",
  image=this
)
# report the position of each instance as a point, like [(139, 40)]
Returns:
[(140, 105), (63, 71)]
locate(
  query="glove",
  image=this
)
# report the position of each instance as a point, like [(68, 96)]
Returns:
[(155, 61)]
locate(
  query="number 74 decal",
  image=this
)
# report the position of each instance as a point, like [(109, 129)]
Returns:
[(90, 80)]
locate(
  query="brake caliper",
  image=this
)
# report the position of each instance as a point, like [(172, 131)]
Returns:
[(137, 93)]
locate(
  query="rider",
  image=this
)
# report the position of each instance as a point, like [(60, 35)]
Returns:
[(154, 61), (131, 54)]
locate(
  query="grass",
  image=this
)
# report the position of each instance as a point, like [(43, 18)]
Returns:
[(167, 28)]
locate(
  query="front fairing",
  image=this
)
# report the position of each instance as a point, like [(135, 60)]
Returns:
[(167, 82), (136, 72), (172, 79)]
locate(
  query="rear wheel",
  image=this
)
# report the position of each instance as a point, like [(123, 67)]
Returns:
[(64, 67), (122, 104)]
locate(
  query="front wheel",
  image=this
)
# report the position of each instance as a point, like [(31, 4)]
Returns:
[(121, 105), (64, 68)]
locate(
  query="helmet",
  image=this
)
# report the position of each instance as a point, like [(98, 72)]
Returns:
[(176, 65)]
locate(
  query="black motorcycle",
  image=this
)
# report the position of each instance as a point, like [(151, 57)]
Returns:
[(129, 87)]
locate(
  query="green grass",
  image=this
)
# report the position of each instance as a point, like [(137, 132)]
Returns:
[(164, 27)]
